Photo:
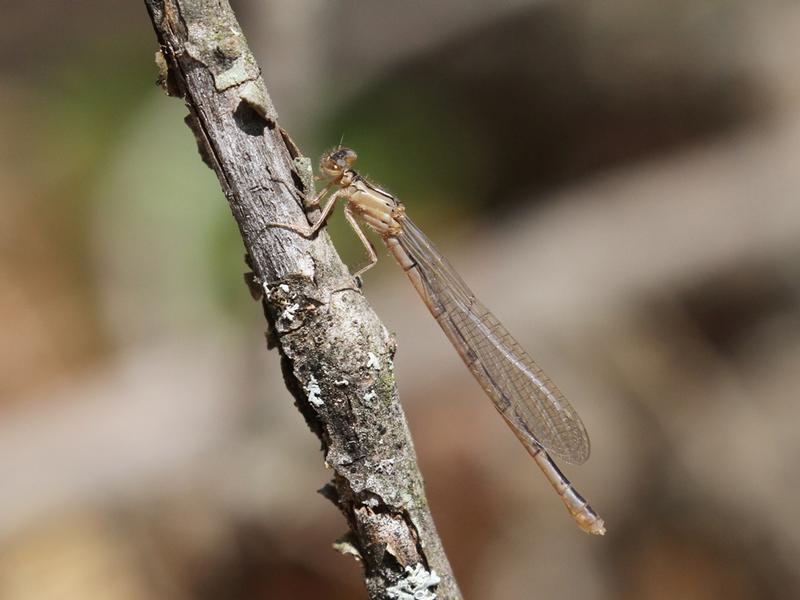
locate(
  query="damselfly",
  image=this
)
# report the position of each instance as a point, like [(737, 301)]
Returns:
[(530, 403)]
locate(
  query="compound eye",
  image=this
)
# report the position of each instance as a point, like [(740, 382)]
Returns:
[(343, 157), (349, 156), (337, 162)]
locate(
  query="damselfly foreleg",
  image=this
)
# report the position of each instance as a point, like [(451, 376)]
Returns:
[(309, 232)]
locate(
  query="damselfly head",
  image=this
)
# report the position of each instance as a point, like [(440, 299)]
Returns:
[(337, 161)]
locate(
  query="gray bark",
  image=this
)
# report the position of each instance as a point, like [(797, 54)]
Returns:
[(335, 353)]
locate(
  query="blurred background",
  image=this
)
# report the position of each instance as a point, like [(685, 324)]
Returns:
[(618, 181)]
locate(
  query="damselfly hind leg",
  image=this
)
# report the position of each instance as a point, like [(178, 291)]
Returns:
[(373, 257)]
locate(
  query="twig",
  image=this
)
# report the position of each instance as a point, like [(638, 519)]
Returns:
[(335, 353)]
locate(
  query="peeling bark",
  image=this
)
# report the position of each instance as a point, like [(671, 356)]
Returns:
[(335, 353)]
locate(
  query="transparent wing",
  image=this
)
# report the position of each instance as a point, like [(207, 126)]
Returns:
[(531, 404)]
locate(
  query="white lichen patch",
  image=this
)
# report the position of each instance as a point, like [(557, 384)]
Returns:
[(290, 312), (314, 392), (347, 548), (222, 49), (236, 74), (373, 362), (306, 267), (255, 95), (341, 383), (284, 288), (305, 170), (386, 465), (370, 396), (416, 585)]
